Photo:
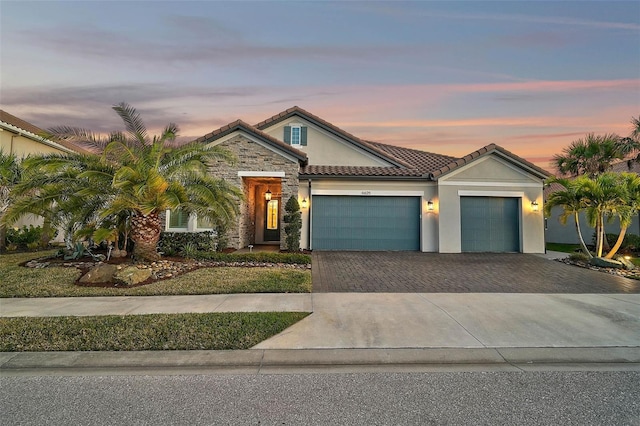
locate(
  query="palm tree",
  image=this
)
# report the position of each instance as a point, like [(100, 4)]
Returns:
[(10, 172), (627, 208), (602, 196), (591, 155), (137, 175), (571, 199)]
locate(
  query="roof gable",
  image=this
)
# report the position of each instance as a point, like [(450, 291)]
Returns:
[(491, 149), (240, 125)]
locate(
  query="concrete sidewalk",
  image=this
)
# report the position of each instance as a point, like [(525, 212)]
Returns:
[(383, 328)]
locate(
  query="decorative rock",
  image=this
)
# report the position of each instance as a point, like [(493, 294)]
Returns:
[(131, 275), (629, 265), (102, 273), (606, 263)]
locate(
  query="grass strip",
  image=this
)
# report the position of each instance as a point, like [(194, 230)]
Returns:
[(18, 281), (211, 331), (564, 248)]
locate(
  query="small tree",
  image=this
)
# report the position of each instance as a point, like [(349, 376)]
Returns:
[(293, 220)]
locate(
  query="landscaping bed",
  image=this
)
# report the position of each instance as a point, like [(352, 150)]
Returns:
[(209, 331), (54, 277)]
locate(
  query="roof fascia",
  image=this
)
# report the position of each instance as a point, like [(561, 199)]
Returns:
[(21, 132)]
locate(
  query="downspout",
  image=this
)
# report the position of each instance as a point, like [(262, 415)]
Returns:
[(309, 219)]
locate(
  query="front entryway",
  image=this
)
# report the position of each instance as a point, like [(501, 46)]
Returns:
[(365, 223)]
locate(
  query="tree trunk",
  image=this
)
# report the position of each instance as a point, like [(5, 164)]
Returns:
[(3, 238), (582, 244), (618, 243), (46, 233), (599, 226), (145, 234)]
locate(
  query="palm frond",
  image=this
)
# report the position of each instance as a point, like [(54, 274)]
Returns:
[(132, 121)]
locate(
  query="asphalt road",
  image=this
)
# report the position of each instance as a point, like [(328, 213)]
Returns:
[(452, 398)]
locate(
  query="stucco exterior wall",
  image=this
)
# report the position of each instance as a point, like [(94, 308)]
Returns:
[(556, 232), (22, 146), (253, 156), (490, 177), (372, 188), (325, 149)]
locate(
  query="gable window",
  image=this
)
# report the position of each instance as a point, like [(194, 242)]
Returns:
[(295, 135)]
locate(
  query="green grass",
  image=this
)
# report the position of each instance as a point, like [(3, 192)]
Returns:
[(17, 281), (565, 248), (211, 331)]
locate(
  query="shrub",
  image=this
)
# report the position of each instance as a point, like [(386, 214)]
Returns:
[(293, 220), (172, 243), (630, 243), (578, 257), (24, 238)]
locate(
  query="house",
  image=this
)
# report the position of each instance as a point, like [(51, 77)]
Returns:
[(362, 195), (556, 232), (21, 138)]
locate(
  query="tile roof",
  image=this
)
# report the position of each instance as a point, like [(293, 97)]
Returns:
[(491, 148), (37, 132), (241, 125)]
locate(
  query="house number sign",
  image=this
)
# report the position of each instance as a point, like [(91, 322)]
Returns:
[(366, 192)]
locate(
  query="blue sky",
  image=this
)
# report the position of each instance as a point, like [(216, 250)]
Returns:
[(447, 77)]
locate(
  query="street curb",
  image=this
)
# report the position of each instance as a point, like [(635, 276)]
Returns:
[(11, 361)]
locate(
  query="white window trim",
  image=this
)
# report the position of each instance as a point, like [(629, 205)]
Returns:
[(299, 127), (169, 228)]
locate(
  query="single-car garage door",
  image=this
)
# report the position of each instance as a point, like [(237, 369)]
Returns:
[(365, 223), (490, 224)]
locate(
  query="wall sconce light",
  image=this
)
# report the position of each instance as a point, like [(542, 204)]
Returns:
[(304, 203), (267, 195), (430, 205), (534, 206)]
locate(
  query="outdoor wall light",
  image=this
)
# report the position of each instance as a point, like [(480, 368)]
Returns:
[(304, 203), (534, 206), (430, 205), (267, 195)]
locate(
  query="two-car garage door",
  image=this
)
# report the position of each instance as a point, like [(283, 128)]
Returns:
[(365, 223)]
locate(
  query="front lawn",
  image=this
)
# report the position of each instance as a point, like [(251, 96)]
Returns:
[(564, 248), (210, 331), (18, 281)]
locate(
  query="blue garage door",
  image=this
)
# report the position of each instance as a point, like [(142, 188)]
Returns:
[(490, 224), (365, 223)]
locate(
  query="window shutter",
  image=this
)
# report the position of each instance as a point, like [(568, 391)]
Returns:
[(287, 135), (303, 136)]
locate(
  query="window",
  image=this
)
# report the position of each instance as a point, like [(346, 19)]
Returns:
[(272, 214), (204, 223), (295, 135), (178, 219)]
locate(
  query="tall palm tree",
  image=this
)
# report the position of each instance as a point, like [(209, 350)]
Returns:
[(602, 195), (627, 208), (139, 175), (572, 201), (10, 172), (591, 155)]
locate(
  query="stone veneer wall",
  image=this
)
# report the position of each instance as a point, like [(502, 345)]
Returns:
[(254, 157)]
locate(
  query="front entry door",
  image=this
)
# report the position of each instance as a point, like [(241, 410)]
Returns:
[(272, 220)]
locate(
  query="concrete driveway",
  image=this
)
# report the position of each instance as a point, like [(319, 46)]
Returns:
[(413, 272)]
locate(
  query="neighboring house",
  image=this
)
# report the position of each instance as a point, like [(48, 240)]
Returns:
[(362, 195), (556, 232), (22, 139)]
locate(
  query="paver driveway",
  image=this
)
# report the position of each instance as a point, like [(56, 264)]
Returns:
[(401, 272)]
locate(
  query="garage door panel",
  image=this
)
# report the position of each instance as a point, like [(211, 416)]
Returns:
[(365, 223), (490, 224)]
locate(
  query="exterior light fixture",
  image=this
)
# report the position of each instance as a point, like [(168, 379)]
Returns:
[(534, 206), (304, 203), (267, 195), (430, 205)]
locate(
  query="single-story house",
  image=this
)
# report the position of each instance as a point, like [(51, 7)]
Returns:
[(362, 195), (556, 232), (21, 138)]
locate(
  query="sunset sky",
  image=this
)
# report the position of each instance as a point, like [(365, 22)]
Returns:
[(445, 77)]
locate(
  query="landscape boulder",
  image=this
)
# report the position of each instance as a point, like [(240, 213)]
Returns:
[(131, 275), (601, 262), (101, 273)]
